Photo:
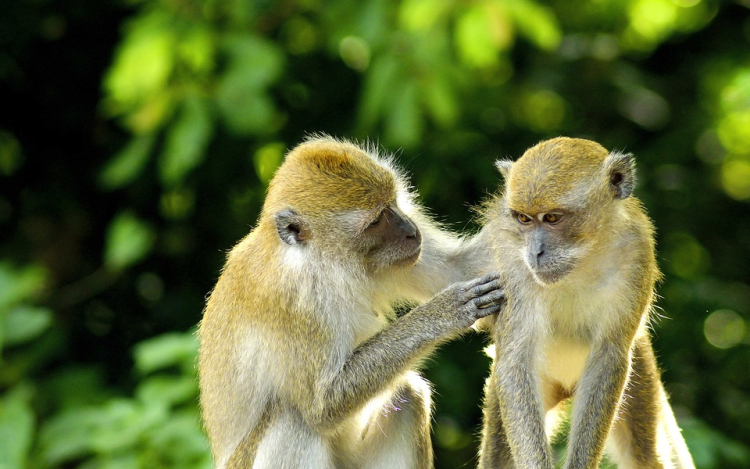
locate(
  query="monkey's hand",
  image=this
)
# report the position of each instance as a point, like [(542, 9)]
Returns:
[(462, 303)]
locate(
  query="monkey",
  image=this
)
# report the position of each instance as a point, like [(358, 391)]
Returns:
[(575, 252), (301, 362)]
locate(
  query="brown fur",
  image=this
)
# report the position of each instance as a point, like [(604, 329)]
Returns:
[(580, 295), (298, 364)]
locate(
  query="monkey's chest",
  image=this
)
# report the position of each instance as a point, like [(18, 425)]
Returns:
[(564, 360), (576, 322)]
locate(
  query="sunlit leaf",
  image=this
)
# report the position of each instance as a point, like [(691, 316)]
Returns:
[(186, 141), (735, 177), (267, 159), (537, 23), (197, 48), (167, 350), (128, 164), (143, 62), (404, 124), (128, 241), (16, 428), (418, 15), (481, 32), (24, 323)]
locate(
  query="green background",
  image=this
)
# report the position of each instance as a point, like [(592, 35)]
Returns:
[(137, 139)]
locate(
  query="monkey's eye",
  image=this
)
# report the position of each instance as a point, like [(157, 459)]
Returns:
[(377, 220), (523, 219), (552, 218)]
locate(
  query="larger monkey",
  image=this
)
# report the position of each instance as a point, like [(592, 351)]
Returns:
[(297, 367), (576, 254)]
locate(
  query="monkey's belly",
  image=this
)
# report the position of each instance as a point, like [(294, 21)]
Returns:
[(564, 361)]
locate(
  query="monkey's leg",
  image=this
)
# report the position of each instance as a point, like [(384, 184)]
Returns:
[(494, 452), (289, 443), (397, 434), (597, 397), (646, 434)]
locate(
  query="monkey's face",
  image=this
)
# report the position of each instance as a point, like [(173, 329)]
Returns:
[(552, 197), (549, 248), (378, 239), (390, 239)]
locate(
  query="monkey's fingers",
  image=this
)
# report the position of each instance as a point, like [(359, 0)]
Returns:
[(482, 286), (493, 298), (489, 311)]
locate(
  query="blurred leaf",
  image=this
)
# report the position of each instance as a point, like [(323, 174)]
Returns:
[(128, 241), (254, 64), (537, 23), (404, 124), (177, 203), (182, 438), (186, 141), (143, 62), (168, 390), (120, 461), (78, 432), (166, 350), (24, 323), (378, 83), (11, 155), (197, 48), (76, 386), (711, 449), (481, 32), (128, 163), (16, 428), (440, 101), (418, 15), (19, 283), (685, 256), (267, 159)]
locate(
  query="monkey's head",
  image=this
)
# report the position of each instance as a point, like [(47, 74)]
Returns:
[(559, 196), (333, 198)]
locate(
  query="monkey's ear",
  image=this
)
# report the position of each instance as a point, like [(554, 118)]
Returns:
[(621, 173), (292, 227), (504, 167)]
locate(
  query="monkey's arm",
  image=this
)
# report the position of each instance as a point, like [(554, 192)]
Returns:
[(520, 402), (597, 395), (374, 364)]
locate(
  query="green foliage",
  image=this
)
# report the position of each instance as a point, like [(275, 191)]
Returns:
[(152, 150), (16, 427), (158, 427), (128, 241)]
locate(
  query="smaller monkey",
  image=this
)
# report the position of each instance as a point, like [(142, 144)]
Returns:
[(575, 252), (299, 366)]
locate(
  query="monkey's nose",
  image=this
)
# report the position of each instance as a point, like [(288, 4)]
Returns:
[(537, 257)]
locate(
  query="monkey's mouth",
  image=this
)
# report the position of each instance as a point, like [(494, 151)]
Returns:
[(551, 274), (411, 258)]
